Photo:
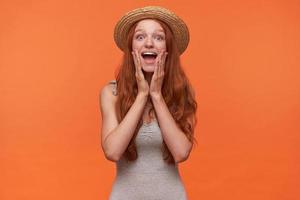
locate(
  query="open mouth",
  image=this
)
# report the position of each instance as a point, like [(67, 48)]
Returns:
[(149, 57)]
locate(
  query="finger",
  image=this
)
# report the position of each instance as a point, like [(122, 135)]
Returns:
[(135, 61), (164, 61), (139, 65), (159, 66), (156, 69), (160, 63), (139, 62)]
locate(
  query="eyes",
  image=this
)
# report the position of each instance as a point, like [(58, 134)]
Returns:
[(157, 37)]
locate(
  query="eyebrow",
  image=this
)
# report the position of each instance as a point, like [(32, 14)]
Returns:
[(160, 30)]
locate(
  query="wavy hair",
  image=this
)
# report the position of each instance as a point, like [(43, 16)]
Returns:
[(176, 91)]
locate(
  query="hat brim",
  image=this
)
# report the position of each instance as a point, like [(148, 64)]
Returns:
[(176, 24)]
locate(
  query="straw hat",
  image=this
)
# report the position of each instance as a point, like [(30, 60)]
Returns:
[(177, 25)]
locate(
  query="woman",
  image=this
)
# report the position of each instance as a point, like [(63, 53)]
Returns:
[(148, 112)]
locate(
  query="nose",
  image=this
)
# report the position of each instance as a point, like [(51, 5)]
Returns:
[(149, 43)]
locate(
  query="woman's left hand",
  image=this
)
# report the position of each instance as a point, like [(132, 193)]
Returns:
[(158, 76)]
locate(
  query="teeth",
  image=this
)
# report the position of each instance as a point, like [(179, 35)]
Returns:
[(149, 53)]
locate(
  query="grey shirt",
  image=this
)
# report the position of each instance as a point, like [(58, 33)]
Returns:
[(149, 177)]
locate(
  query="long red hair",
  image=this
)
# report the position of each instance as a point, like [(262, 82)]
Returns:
[(176, 90)]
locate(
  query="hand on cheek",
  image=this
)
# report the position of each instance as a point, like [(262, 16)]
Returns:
[(158, 76)]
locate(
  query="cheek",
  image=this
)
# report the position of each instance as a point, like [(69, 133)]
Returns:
[(162, 46), (136, 45)]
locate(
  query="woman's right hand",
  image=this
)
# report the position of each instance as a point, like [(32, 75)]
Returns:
[(143, 86)]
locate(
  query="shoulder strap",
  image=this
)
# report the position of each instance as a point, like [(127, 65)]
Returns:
[(114, 83)]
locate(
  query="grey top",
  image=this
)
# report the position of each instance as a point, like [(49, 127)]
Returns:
[(149, 177)]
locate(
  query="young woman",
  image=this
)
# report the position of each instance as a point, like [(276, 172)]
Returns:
[(149, 111)]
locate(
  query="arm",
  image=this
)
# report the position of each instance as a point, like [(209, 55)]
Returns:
[(175, 139), (116, 137)]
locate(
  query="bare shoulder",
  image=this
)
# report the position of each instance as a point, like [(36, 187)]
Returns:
[(107, 103), (109, 91)]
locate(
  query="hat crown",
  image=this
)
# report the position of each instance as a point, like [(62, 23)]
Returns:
[(176, 24)]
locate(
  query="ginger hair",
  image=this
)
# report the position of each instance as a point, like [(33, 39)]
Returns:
[(176, 91)]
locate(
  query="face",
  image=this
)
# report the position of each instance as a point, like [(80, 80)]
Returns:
[(149, 40)]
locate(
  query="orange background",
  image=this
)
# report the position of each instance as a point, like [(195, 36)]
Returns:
[(243, 60)]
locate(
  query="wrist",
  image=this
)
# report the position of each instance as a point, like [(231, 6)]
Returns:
[(156, 96), (142, 96)]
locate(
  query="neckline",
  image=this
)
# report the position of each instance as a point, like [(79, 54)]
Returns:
[(149, 123)]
